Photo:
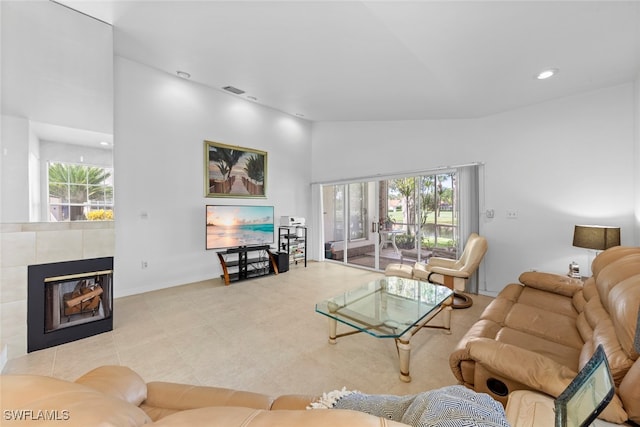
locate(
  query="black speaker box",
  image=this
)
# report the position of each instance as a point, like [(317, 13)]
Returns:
[(282, 261)]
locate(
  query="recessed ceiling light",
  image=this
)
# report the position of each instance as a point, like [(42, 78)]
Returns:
[(104, 143), (183, 74), (545, 74)]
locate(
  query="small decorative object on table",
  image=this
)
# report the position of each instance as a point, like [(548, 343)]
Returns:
[(574, 270)]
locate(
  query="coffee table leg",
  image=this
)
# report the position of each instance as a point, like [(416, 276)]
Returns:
[(333, 325), (447, 319), (404, 352)]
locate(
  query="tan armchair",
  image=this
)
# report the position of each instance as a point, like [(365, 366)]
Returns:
[(452, 273)]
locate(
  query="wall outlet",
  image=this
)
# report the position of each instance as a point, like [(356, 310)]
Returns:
[(512, 214), (145, 264)]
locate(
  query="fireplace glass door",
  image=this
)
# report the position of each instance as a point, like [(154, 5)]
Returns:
[(68, 301), (77, 299)]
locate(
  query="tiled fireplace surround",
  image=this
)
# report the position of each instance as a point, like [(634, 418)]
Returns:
[(40, 243)]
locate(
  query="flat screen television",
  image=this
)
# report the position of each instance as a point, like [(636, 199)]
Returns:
[(239, 225)]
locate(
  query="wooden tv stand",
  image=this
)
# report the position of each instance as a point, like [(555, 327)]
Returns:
[(246, 262)]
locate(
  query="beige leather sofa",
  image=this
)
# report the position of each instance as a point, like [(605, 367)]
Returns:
[(538, 333), (117, 396)]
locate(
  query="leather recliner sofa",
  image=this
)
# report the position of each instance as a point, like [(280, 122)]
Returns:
[(537, 334), (117, 396)]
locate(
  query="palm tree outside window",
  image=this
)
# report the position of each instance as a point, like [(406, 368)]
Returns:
[(79, 192)]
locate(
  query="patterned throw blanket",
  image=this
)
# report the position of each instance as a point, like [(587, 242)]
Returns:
[(446, 407)]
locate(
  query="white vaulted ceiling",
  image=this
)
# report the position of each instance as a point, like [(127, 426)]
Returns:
[(383, 60)]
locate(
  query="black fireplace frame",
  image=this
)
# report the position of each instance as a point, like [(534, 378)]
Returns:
[(37, 339)]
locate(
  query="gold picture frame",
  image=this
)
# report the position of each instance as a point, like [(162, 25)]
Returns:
[(232, 171)]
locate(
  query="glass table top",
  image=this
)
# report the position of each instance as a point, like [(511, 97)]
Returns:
[(387, 307)]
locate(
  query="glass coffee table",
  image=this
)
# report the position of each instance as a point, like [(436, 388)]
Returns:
[(390, 307)]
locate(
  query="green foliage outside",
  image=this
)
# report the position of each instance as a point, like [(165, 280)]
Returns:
[(432, 197), (446, 217), (404, 241), (80, 185), (74, 183)]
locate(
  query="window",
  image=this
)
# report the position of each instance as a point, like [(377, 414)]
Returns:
[(79, 192), (403, 218), (424, 209), (358, 211)]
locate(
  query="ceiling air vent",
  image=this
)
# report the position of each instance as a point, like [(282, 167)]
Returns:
[(233, 90)]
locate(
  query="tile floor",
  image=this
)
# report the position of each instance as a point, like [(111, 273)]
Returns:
[(261, 335)]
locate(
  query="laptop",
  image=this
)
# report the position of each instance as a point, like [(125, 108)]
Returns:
[(587, 395)]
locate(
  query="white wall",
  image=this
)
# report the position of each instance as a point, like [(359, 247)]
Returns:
[(636, 179), (557, 164), (14, 186), (161, 122), (36, 172)]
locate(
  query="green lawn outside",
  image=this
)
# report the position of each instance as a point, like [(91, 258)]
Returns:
[(444, 218), (444, 241)]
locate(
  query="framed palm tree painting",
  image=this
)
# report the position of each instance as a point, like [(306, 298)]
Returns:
[(232, 171)]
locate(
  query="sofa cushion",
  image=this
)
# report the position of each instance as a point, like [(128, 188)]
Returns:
[(165, 398), (70, 404), (578, 301), (607, 257), (585, 330), (544, 324), (547, 301), (614, 274), (630, 392), (612, 311), (292, 401), (248, 417), (498, 309), (625, 297), (560, 353), (116, 381), (589, 290)]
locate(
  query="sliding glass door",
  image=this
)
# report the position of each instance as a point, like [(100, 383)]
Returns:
[(438, 215), (351, 219), (423, 215), (402, 219)]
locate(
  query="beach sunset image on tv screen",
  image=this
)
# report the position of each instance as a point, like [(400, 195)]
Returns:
[(229, 226)]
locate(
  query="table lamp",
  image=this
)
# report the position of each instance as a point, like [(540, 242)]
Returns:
[(596, 237)]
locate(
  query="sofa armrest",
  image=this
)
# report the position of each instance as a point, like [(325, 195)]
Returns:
[(440, 262), (524, 366), (549, 282), (165, 398), (483, 328), (452, 272), (292, 401)]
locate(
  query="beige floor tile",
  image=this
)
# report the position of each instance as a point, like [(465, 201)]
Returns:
[(156, 360), (261, 335), (37, 363), (70, 368)]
